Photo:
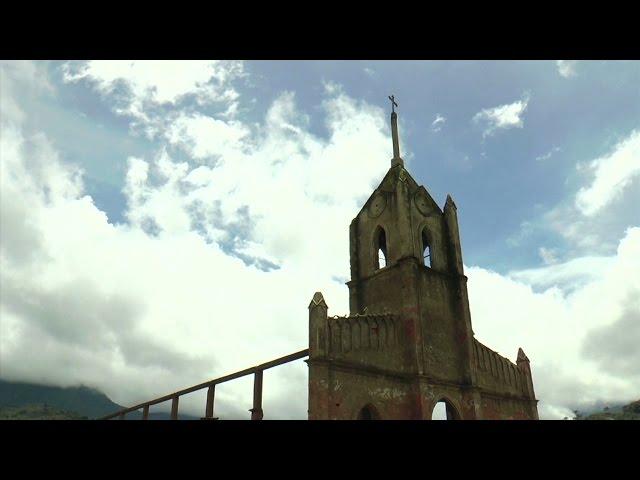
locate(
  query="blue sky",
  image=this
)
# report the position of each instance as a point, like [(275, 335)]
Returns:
[(500, 181), (230, 159)]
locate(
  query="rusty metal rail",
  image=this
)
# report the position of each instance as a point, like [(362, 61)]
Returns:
[(256, 411)]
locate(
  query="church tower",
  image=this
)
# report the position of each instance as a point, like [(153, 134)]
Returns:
[(408, 342)]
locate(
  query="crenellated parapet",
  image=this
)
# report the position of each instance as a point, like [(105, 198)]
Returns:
[(497, 372), (375, 332), (365, 339)]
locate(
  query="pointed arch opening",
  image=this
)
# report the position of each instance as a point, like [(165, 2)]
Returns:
[(426, 248), (380, 248), (368, 412), (444, 410)]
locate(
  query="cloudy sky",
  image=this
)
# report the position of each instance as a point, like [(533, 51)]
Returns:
[(163, 223)]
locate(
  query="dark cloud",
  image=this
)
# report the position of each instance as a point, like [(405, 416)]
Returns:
[(616, 347), (75, 312), (144, 352), (555, 387), (79, 315)]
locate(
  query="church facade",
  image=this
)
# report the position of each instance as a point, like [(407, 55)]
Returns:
[(408, 343)]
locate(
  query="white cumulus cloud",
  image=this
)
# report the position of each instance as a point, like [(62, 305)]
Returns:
[(547, 255), (548, 155), (436, 125), (140, 88), (556, 322), (502, 117), (566, 68), (613, 173)]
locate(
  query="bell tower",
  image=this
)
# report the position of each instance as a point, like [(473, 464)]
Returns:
[(408, 341), (406, 258)]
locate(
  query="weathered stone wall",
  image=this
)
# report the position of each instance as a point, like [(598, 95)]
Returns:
[(345, 391), (442, 326), (431, 393), (506, 408)]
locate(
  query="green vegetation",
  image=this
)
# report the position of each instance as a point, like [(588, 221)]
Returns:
[(38, 412), (627, 412)]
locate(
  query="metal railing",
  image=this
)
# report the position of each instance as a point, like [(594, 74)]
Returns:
[(256, 411)]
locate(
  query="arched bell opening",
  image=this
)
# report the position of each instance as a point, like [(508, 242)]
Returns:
[(380, 248), (426, 248)]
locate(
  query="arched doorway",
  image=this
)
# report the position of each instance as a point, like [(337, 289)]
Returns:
[(368, 412), (444, 410)]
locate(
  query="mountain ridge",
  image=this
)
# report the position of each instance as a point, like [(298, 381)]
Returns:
[(46, 401)]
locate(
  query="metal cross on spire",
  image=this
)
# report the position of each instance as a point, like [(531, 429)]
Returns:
[(394, 133), (393, 103)]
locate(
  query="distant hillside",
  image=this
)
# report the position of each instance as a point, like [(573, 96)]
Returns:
[(38, 412), (625, 412), (71, 401)]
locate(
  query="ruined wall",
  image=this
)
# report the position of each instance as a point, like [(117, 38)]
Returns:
[(408, 341), (496, 373), (344, 392), (362, 360), (506, 388)]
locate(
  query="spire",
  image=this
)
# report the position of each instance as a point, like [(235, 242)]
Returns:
[(450, 202), (521, 356), (394, 134)]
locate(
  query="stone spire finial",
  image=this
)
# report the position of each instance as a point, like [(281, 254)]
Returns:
[(450, 202), (394, 134), (521, 356), (317, 300)]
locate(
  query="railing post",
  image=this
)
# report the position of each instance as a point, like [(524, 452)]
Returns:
[(208, 413), (256, 411), (174, 408), (145, 412)]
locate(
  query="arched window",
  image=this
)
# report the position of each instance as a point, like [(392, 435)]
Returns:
[(368, 412), (426, 248), (443, 410), (380, 246)]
